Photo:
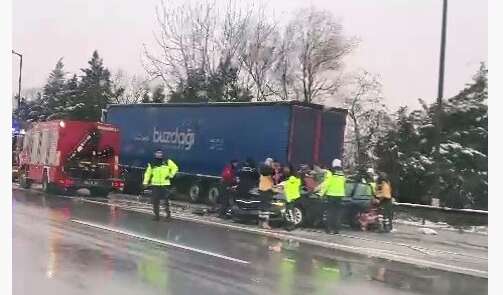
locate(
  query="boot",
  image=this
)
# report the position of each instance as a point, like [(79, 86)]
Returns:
[(264, 222), (265, 225), (387, 225), (168, 212), (380, 223)]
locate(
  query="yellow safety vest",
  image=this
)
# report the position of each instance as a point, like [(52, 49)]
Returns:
[(160, 175), (334, 185), (292, 189), (384, 190), (373, 186)]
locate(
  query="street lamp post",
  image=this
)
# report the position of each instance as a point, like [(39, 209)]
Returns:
[(440, 96), (20, 71)]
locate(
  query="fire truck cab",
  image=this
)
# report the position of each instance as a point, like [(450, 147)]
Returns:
[(65, 156)]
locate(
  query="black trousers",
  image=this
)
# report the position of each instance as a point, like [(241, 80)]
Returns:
[(225, 200), (386, 206), (334, 214), (160, 193), (265, 198)]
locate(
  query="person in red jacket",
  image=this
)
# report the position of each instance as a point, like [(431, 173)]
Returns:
[(228, 181), (229, 173)]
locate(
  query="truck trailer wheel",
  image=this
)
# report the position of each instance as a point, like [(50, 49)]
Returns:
[(132, 183), (194, 192), (214, 194)]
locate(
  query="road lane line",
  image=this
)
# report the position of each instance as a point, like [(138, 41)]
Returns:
[(370, 252), (90, 224)]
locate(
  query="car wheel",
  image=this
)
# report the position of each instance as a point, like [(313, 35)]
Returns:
[(194, 192), (296, 217), (213, 195)]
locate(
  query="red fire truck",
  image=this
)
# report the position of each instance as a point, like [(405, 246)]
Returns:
[(65, 156)]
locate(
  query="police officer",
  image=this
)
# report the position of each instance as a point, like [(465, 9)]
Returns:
[(158, 175), (334, 188)]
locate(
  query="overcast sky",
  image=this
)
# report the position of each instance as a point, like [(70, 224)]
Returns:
[(400, 38)]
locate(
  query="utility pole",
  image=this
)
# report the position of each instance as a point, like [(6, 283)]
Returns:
[(440, 96), (20, 70)]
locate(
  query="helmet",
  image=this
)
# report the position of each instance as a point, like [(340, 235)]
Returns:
[(268, 161), (336, 163)]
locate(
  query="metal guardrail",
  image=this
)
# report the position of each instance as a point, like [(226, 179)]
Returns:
[(412, 205)]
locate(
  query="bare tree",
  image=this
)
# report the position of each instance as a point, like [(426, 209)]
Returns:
[(284, 68), (320, 48), (128, 89), (260, 54), (367, 114), (184, 39)]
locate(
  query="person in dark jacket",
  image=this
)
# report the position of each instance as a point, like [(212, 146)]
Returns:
[(228, 181), (247, 177), (277, 174)]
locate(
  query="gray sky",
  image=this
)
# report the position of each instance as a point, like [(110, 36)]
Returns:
[(400, 39)]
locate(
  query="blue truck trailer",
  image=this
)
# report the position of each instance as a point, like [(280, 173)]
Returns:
[(202, 138)]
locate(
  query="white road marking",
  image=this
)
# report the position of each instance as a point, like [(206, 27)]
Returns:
[(370, 252), (160, 241)]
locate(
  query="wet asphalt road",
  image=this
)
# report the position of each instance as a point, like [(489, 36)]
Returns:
[(124, 252)]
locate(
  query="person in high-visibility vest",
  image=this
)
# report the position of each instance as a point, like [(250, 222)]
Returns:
[(291, 191), (158, 175), (334, 189), (383, 194)]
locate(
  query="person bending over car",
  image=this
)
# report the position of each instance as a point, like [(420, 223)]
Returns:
[(291, 191)]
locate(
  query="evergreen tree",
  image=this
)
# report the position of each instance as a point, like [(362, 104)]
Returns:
[(54, 92), (406, 152), (221, 86), (194, 89), (146, 97), (94, 90)]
